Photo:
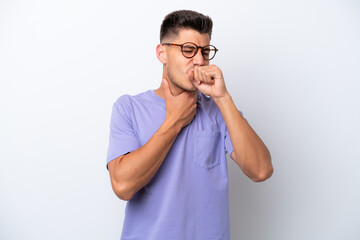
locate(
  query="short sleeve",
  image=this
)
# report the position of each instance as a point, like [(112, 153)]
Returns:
[(228, 145), (122, 138)]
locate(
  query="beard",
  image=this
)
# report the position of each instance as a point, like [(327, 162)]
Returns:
[(183, 85)]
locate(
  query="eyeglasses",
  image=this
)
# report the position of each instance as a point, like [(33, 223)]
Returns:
[(190, 49)]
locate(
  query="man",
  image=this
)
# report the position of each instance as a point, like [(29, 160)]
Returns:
[(167, 150)]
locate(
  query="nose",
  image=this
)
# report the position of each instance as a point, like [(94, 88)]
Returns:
[(198, 59)]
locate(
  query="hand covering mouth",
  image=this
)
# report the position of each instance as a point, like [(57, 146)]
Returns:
[(190, 74)]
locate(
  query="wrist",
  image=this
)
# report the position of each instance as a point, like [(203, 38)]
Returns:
[(223, 100), (171, 126)]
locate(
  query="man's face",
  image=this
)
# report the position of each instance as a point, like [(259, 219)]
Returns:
[(179, 68)]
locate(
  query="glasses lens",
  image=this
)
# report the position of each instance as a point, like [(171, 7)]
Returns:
[(208, 52), (189, 50)]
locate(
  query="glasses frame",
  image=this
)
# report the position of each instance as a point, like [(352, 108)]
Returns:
[(196, 51)]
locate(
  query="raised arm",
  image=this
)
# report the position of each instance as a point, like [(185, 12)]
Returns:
[(250, 153), (130, 172)]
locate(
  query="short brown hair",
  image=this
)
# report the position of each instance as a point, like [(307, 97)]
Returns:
[(186, 19)]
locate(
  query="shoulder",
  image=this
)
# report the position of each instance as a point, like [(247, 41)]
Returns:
[(125, 104), (128, 100)]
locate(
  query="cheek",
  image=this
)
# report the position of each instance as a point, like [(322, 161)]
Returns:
[(178, 67)]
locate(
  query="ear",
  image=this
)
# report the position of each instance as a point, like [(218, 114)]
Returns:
[(161, 53)]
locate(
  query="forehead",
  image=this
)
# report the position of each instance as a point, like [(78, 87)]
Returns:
[(190, 35)]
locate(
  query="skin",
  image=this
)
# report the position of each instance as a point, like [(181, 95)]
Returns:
[(182, 77)]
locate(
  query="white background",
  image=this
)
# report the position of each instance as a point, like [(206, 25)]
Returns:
[(292, 67)]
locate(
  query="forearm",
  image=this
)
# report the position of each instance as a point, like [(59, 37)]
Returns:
[(134, 170), (250, 153)]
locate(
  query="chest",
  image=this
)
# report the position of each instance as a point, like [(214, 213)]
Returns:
[(152, 117)]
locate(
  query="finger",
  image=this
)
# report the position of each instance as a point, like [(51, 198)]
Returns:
[(210, 68), (211, 76), (197, 75), (191, 74), (208, 74), (206, 77), (196, 84)]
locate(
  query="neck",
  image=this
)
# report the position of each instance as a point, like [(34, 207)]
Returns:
[(175, 90)]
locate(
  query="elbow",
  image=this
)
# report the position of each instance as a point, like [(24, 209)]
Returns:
[(263, 175), (266, 170), (122, 188), (261, 171), (123, 192)]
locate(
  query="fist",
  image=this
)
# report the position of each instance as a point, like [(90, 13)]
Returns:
[(210, 81)]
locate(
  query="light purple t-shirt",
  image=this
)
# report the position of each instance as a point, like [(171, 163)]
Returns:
[(187, 199)]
